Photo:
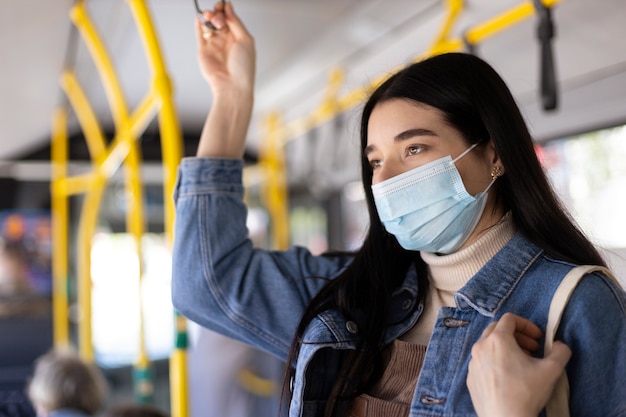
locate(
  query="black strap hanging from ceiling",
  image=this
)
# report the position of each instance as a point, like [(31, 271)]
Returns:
[(470, 48), (545, 33), (200, 15)]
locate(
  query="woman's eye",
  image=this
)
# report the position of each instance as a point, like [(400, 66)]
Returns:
[(375, 163), (414, 149)]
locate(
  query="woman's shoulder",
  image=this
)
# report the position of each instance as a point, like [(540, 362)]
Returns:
[(600, 290), (593, 276), (597, 290), (597, 301)]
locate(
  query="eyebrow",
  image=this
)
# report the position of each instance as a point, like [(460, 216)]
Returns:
[(402, 136)]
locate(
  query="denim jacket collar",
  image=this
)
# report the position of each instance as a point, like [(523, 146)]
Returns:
[(492, 285), (485, 293)]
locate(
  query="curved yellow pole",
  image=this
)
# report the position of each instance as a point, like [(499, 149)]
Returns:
[(87, 227), (103, 63), (144, 389), (171, 146), (89, 215), (123, 150), (274, 189), (454, 7), (85, 114), (504, 20), (478, 33), (60, 302), (171, 140)]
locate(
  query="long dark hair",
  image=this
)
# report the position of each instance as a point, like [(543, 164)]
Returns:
[(475, 100)]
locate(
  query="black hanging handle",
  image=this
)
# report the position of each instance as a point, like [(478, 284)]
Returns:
[(200, 15), (545, 33)]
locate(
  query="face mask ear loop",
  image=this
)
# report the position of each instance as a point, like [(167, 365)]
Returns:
[(465, 152), (490, 184)]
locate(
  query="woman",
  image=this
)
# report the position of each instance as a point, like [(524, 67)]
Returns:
[(463, 228)]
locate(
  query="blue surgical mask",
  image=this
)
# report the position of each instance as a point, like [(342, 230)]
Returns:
[(428, 208)]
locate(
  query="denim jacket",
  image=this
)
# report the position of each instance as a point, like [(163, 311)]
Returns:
[(256, 296)]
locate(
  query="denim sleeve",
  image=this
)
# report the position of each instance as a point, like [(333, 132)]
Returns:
[(222, 282), (594, 327)]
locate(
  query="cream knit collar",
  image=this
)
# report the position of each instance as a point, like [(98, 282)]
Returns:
[(451, 272)]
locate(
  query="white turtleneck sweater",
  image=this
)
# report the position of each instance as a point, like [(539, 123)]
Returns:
[(449, 273)]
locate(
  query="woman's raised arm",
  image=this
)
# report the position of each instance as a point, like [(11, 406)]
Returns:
[(226, 57)]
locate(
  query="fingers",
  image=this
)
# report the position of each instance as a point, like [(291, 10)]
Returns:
[(202, 30), (234, 23), (560, 354), (524, 331), (489, 329), (512, 323), (528, 344), (222, 17), (218, 19), (210, 21)]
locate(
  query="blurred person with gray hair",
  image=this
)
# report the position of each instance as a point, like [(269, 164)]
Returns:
[(64, 385)]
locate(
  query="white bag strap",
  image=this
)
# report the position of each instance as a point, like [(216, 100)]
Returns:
[(558, 404)]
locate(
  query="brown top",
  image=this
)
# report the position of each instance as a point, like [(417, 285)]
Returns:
[(392, 395)]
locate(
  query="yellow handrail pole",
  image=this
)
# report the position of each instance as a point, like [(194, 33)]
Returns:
[(251, 382), (170, 132), (86, 229), (143, 114), (274, 190), (144, 388), (120, 115), (454, 7), (476, 34), (60, 302), (116, 153), (178, 369), (171, 146), (95, 185), (495, 25), (139, 119), (85, 115), (111, 157), (171, 149), (328, 106), (77, 184), (103, 63), (110, 82), (131, 155)]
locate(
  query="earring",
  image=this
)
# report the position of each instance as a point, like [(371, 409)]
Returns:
[(496, 171)]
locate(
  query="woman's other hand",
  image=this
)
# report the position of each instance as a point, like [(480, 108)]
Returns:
[(503, 379)]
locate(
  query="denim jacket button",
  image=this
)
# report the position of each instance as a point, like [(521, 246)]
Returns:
[(352, 327), (407, 304), (291, 384), (452, 322), (428, 400)]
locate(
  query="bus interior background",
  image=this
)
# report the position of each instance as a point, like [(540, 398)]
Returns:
[(311, 55)]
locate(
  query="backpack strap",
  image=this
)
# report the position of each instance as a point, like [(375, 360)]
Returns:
[(558, 404)]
